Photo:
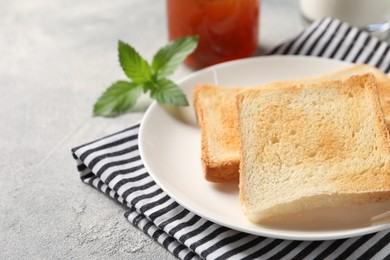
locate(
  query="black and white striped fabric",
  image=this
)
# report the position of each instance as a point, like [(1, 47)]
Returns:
[(113, 165)]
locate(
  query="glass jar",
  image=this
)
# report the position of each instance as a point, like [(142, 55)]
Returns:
[(227, 29)]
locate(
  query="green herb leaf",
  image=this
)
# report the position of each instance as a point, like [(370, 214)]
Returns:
[(122, 95), (134, 66), (167, 92), (118, 98), (171, 56)]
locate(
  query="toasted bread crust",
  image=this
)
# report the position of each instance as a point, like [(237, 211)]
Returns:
[(222, 172)]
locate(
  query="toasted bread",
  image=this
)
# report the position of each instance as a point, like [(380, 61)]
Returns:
[(217, 116), (312, 145)]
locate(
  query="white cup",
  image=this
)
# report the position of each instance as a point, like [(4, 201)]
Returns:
[(360, 13)]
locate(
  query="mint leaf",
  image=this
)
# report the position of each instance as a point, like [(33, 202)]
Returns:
[(171, 56), (118, 98), (134, 66), (167, 92), (122, 95)]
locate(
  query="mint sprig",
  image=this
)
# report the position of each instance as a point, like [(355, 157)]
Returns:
[(121, 96)]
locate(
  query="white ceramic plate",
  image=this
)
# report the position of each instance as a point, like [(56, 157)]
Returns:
[(169, 142)]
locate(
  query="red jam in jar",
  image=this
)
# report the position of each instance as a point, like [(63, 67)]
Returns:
[(227, 29)]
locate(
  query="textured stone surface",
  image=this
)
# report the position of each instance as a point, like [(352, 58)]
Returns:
[(56, 58)]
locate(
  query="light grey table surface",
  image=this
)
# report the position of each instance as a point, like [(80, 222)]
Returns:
[(56, 58)]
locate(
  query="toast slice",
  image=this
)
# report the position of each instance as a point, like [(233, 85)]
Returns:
[(217, 117), (313, 145)]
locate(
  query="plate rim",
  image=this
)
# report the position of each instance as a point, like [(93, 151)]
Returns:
[(267, 232)]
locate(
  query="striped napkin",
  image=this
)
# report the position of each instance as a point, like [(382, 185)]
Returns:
[(113, 165)]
